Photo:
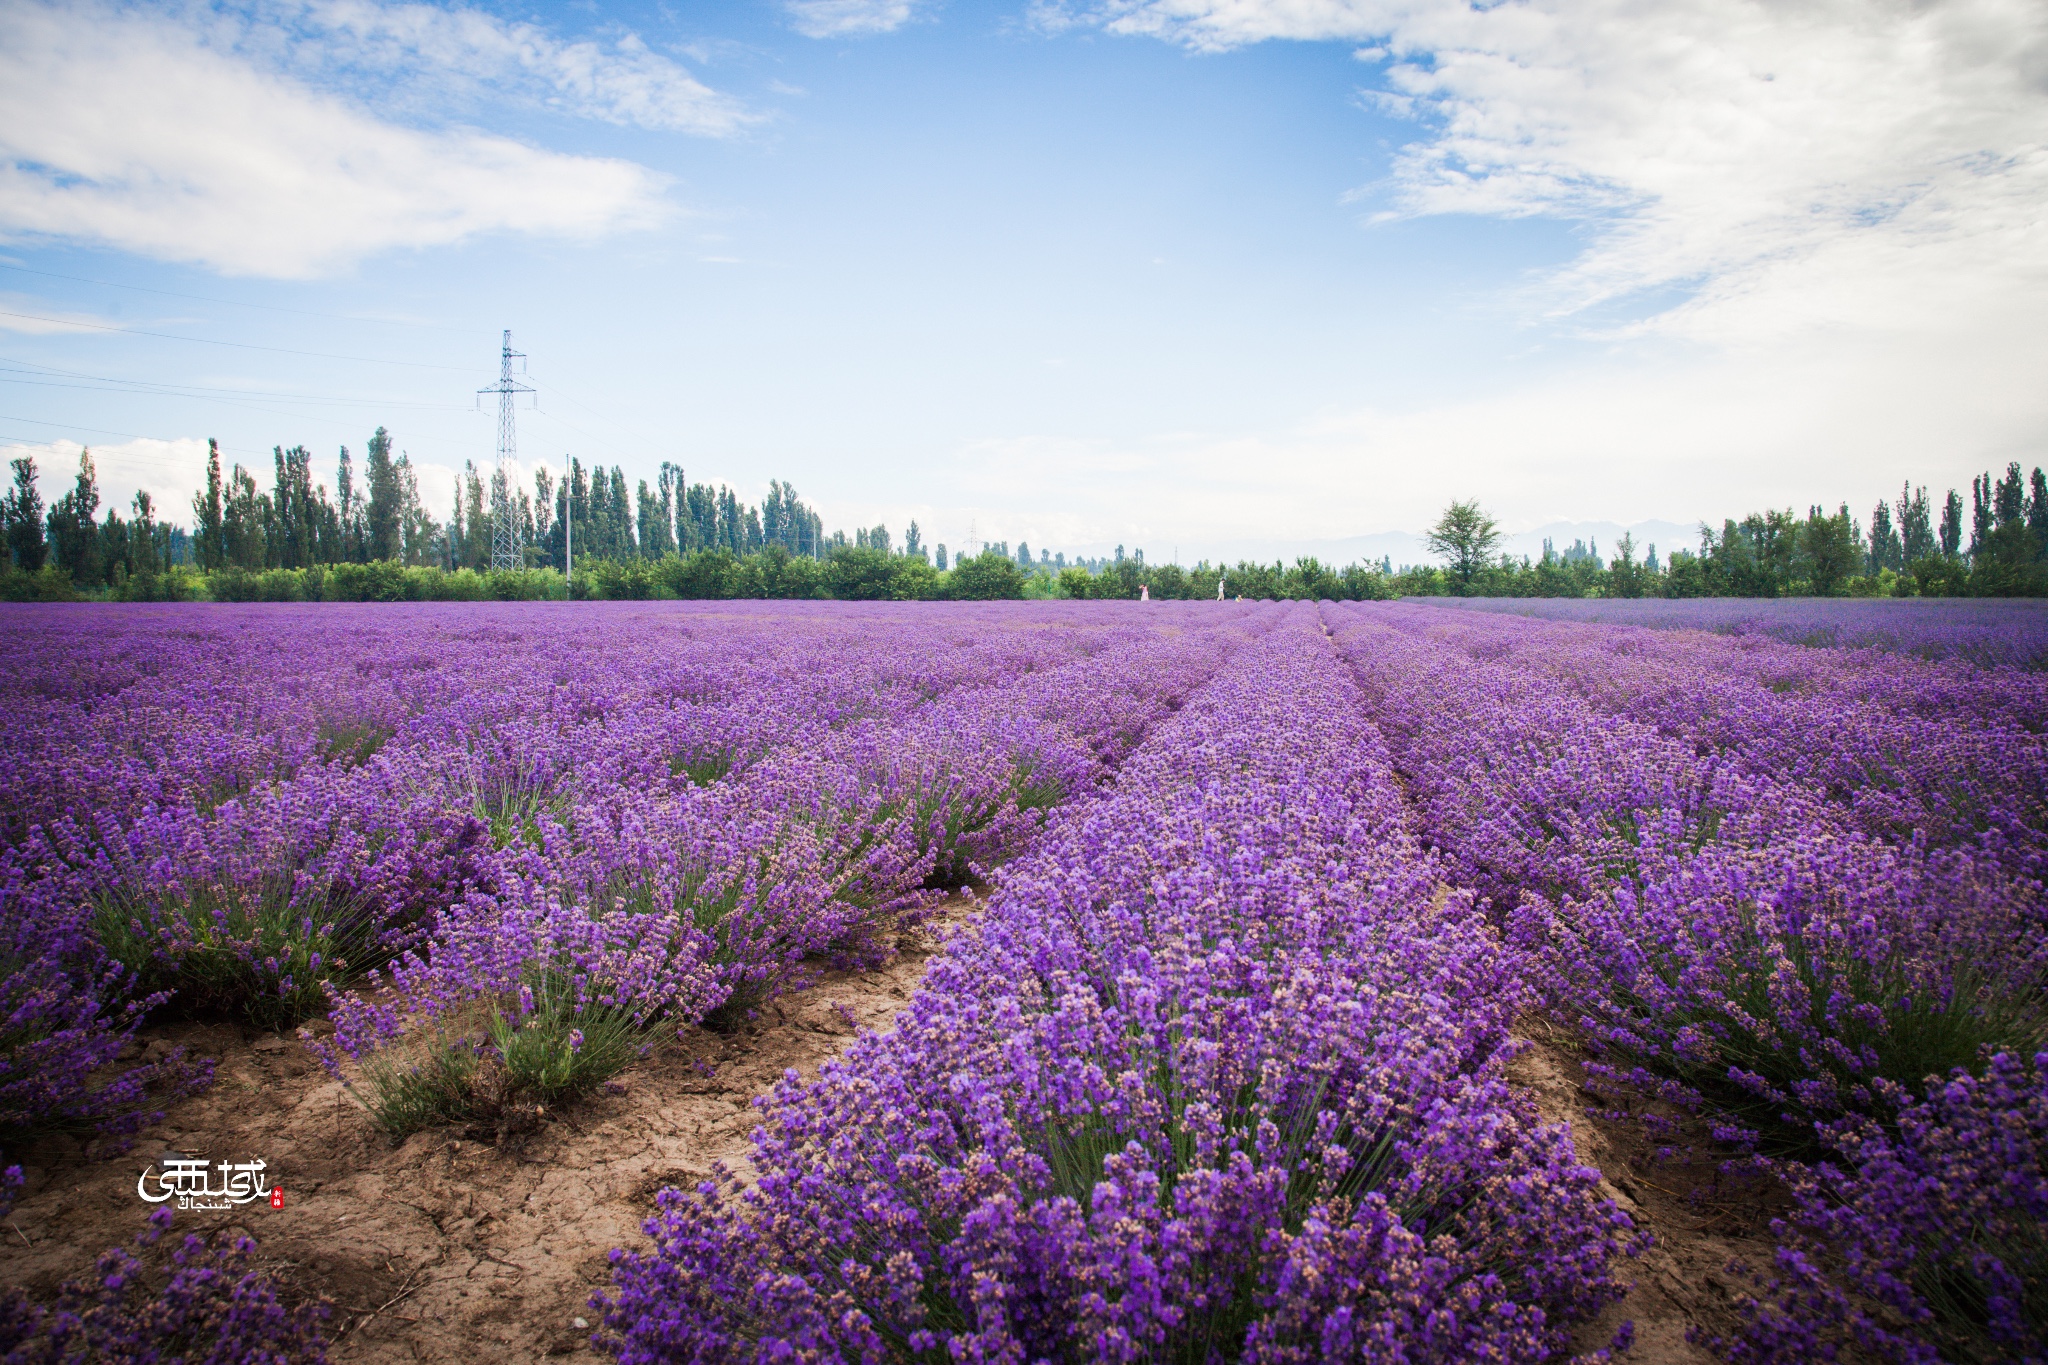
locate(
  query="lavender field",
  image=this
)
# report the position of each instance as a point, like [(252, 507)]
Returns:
[(1990, 631), (1184, 981)]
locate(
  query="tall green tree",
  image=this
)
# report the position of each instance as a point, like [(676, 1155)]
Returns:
[(245, 520), (623, 544), (475, 530), (1916, 525), (1980, 514), (22, 513), (298, 514), (2037, 512), (1886, 551), (384, 509), (418, 530), (208, 529), (352, 521), (989, 576), (657, 532), (1829, 553), (1464, 537), (546, 535), (669, 489), (144, 556), (73, 522)]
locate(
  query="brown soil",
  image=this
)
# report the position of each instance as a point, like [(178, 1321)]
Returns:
[(433, 1247), (1701, 1219)]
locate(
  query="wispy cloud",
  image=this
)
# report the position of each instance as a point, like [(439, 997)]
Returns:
[(28, 316), (208, 142), (849, 18), (614, 77), (1841, 159)]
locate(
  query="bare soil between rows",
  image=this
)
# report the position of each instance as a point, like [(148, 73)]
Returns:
[(431, 1248), (1702, 1221)]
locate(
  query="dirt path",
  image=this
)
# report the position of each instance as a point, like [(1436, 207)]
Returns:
[(442, 1244), (1682, 1282)]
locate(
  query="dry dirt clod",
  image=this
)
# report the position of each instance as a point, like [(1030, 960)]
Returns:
[(437, 1245)]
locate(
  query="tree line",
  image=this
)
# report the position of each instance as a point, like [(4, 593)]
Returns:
[(375, 540), (1911, 548)]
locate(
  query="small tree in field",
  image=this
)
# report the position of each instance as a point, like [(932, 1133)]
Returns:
[(1464, 535)]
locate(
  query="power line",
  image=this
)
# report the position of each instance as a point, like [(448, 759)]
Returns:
[(558, 391), (197, 394), (103, 431), (237, 303), (237, 345), (74, 426), (253, 454)]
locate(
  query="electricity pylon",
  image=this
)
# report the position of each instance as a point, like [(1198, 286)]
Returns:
[(505, 548)]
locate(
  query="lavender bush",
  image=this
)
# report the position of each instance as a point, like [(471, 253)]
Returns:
[(1730, 934), (1218, 1075), (1930, 1242), (1217, 1072), (207, 1306), (67, 1014), (1991, 632), (243, 810)]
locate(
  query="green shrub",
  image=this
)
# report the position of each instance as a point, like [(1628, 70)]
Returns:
[(405, 1096), (988, 577), (557, 1052), (263, 954), (632, 580), (49, 584)]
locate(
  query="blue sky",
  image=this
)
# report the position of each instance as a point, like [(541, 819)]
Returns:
[(1214, 276)]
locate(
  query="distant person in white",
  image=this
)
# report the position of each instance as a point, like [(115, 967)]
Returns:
[(1219, 590), (1144, 592)]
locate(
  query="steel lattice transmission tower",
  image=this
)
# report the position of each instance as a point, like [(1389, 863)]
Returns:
[(505, 548)]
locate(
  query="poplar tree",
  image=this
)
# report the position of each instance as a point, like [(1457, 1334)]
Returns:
[(74, 525), (1952, 525), (23, 517), (1916, 525), (209, 538), (384, 513), (1886, 550)]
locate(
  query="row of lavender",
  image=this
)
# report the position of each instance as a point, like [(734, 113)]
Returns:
[(1217, 1074), (1994, 632), (1796, 894), (558, 839), (243, 810), (640, 907)]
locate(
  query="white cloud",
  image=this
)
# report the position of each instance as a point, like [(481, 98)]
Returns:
[(848, 18), (171, 471), (125, 128), (1815, 250), (1678, 437), (617, 79), (1842, 160)]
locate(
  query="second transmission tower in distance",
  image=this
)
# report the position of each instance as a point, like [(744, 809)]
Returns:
[(505, 547)]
